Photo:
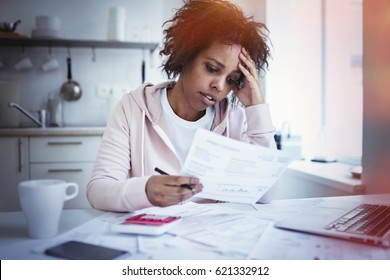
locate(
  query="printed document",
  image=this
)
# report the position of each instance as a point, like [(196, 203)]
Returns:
[(232, 170)]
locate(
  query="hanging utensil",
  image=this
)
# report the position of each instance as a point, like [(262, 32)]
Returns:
[(143, 67), (70, 90)]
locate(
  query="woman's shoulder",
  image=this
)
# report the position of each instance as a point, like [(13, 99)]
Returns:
[(150, 88)]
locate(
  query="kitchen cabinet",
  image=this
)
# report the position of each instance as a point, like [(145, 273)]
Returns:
[(14, 161), (66, 158)]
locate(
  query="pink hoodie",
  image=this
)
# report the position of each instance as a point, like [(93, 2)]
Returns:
[(135, 142)]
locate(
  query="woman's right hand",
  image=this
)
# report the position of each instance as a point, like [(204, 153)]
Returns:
[(165, 190)]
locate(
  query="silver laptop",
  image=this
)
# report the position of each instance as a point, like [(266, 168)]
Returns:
[(363, 222)]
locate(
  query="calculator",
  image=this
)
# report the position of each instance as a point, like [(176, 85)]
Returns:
[(148, 224)]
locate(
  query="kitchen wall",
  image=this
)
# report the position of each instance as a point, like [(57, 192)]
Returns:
[(317, 61), (86, 20)]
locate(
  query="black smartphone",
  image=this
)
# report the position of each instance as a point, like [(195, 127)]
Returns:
[(76, 250)]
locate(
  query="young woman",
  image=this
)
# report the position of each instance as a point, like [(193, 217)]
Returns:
[(213, 55)]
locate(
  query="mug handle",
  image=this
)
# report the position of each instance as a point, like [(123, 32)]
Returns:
[(73, 194)]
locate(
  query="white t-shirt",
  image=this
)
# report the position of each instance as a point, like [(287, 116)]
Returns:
[(182, 132)]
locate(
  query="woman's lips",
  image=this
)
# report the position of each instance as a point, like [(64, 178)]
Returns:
[(208, 99)]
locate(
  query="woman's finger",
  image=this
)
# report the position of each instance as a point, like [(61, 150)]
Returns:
[(248, 75), (248, 63), (164, 190)]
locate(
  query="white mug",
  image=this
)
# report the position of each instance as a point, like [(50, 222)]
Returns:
[(47, 22), (24, 64), (42, 202), (50, 65)]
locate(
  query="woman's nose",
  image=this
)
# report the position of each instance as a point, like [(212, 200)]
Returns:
[(218, 84)]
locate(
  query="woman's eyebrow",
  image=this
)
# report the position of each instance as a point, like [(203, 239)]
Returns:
[(220, 64)]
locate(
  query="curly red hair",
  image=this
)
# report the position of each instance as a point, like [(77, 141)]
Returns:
[(199, 23)]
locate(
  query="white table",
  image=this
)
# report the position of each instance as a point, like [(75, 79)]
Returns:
[(13, 232)]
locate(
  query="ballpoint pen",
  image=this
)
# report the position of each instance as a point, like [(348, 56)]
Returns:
[(186, 186)]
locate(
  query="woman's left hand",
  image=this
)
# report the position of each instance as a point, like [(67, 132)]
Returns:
[(250, 94)]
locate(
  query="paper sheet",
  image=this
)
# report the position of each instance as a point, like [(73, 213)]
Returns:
[(281, 209), (206, 228), (231, 170), (232, 234), (279, 244)]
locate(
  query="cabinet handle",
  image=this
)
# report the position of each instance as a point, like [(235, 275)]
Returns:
[(65, 143), (65, 170), (20, 156)]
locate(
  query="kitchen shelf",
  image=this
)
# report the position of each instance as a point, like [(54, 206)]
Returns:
[(37, 42)]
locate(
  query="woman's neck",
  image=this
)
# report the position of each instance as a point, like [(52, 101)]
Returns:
[(180, 105)]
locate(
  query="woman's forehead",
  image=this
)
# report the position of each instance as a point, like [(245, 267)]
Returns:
[(226, 55)]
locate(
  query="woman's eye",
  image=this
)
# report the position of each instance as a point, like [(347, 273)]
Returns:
[(232, 82), (211, 69)]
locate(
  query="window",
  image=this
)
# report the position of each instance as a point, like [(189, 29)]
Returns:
[(314, 82)]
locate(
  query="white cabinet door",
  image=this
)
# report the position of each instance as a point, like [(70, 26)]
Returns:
[(13, 169), (78, 172), (64, 148), (68, 158)]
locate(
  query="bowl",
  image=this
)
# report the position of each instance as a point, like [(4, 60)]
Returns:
[(9, 26)]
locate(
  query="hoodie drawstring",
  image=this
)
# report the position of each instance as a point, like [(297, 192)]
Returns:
[(143, 144), (228, 127)]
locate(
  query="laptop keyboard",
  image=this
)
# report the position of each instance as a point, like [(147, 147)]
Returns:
[(366, 219)]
